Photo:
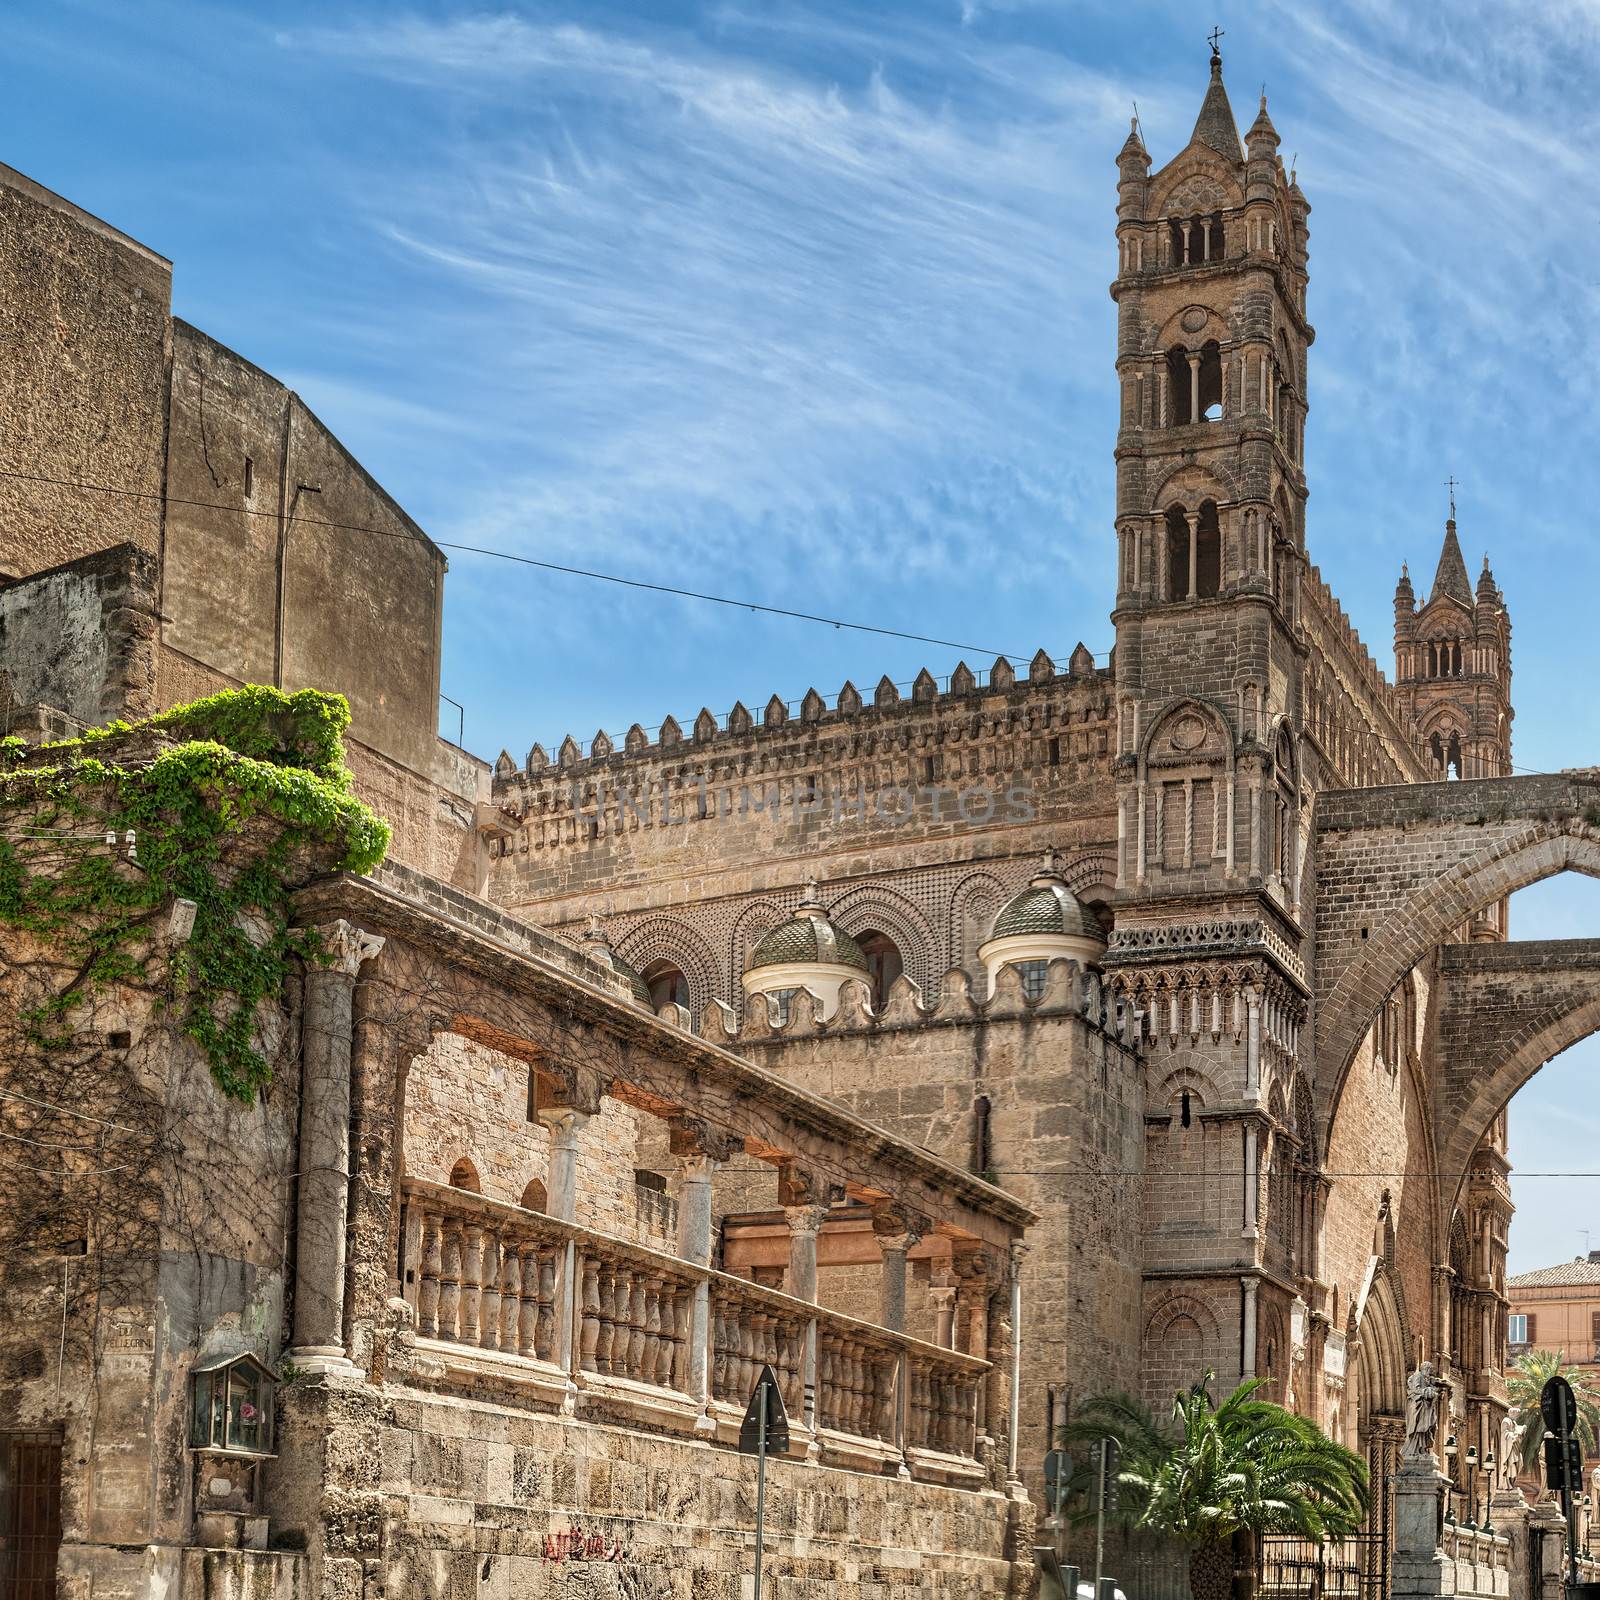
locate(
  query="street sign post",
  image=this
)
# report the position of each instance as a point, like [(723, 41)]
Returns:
[(1559, 1408), (1057, 1481), (765, 1427)]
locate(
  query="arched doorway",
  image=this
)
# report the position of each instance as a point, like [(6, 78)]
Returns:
[(1380, 1405)]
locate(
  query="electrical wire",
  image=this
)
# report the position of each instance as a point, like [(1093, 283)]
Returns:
[(520, 560)]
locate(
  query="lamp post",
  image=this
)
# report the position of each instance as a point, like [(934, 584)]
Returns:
[(1450, 1479), (1471, 1524), (1488, 1498)]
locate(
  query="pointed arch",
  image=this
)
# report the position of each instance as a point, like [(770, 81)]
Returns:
[(874, 907), (670, 939)]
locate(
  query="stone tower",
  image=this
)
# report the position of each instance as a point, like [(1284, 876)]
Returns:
[(1213, 805), (1452, 666)]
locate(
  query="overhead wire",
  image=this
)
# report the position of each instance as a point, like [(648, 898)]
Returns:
[(521, 560)]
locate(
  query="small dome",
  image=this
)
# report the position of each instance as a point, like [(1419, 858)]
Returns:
[(807, 936), (1047, 906), (599, 947)]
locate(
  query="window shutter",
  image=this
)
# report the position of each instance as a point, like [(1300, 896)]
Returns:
[(1533, 1328)]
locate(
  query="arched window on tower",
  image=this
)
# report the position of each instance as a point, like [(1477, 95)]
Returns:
[(1453, 755), (1436, 750), (1175, 232), (1177, 553), (1210, 382), (1215, 239), (667, 985), (884, 964), (1180, 397), (1208, 551)]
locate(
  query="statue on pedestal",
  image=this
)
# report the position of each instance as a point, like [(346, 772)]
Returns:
[(1422, 1415)]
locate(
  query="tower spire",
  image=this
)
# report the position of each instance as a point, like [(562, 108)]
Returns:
[(1450, 577), (1215, 127)]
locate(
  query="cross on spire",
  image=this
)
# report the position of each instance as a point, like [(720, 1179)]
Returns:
[(1450, 484), (1211, 39)]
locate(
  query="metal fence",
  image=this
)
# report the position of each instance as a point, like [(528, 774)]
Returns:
[(1352, 1568)]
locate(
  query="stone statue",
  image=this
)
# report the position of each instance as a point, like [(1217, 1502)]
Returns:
[(1511, 1432), (1422, 1414)]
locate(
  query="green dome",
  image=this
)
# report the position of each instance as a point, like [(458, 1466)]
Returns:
[(599, 947), (807, 936), (641, 990), (1047, 906)]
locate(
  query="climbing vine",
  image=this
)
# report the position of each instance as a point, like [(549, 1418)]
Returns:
[(227, 804)]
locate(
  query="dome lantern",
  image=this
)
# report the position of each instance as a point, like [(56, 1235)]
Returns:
[(805, 951), (1045, 922)]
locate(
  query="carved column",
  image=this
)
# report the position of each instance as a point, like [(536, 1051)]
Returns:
[(700, 1151), (1247, 1351), (564, 1124), (896, 1232), (324, 1151), (805, 1222)]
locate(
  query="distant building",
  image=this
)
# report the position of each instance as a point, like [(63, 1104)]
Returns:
[(1558, 1308)]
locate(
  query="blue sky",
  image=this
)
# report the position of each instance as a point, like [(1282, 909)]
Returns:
[(808, 303)]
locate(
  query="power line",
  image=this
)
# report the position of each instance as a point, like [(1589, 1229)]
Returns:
[(525, 561)]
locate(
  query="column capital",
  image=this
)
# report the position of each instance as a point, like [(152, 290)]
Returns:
[(562, 1120), (694, 1136), (344, 946), (897, 1228), (806, 1219)]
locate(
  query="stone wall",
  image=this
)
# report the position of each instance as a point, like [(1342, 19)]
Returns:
[(80, 638), (438, 1498), (360, 606), (84, 349), (737, 808), (1066, 1120), (467, 1102)]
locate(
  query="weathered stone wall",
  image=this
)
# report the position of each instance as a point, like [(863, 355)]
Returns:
[(435, 1498), (80, 638), (1066, 1123), (467, 1102), (921, 798), (84, 350), (360, 610)]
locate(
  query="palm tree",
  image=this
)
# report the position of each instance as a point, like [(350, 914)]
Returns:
[(1144, 1439), (1525, 1383), (1235, 1471)]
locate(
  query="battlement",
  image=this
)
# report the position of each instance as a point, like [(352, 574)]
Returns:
[(1070, 990), (782, 720), (1356, 715)]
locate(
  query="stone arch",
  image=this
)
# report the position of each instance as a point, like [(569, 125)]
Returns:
[(1519, 1058), (1189, 484), (1167, 740), (1176, 329), (974, 904), (1400, 939), (873, 905), (756, 918), (668, 939), (1182, 1340)]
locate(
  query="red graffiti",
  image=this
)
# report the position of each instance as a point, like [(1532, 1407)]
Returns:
[(575, 1545)]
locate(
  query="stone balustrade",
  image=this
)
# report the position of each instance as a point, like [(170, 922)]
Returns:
[(1481, 1561), (598, 1324)]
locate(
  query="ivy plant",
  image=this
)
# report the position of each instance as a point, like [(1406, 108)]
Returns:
[(231, 802)]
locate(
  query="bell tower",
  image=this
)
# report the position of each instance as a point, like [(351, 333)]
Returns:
[(1212, 339)]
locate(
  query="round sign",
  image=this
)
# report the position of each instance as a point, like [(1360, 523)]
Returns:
[(1558, 1406)]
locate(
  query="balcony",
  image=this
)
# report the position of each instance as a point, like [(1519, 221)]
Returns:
[(604, 1329)]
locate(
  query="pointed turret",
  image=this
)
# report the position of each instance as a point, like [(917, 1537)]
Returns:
[(1262, 139), (1488, 589), (1133, 153), (1215, 126), (1405, 597), (1451, 576)]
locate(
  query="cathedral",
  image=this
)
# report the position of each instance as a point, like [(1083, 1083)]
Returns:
[(959, 1049), (913, 862)]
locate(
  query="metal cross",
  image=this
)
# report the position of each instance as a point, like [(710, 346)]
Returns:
[(1450, 484), (1211, 39)]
